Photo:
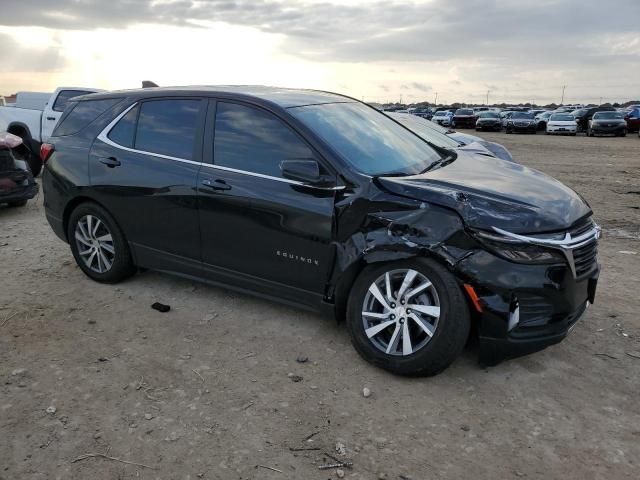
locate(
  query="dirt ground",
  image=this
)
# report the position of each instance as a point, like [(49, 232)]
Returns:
[(204, 391)]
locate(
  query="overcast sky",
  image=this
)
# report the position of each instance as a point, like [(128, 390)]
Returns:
[(517, 50)]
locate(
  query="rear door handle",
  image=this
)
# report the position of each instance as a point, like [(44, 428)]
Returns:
[(51, 118), (217, 184), (110, 162)]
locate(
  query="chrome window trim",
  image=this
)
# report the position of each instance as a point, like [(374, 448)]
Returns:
[(103, 137)]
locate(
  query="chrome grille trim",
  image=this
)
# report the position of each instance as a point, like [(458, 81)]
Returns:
[(566, 245)]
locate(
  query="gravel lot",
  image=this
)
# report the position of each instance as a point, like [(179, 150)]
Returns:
[(204, 391)]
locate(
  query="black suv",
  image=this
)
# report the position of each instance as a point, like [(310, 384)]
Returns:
[(584, 115), (318, 200)]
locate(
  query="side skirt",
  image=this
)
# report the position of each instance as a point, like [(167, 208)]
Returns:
[(153, 259)]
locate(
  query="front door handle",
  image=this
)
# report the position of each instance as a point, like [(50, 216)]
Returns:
[(51, 118), (110, 162), (217, 184)]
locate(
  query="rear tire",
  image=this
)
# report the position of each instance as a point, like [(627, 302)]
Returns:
[(431, 353), (106, 257)]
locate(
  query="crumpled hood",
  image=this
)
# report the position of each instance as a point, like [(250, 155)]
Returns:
[(489, 192)]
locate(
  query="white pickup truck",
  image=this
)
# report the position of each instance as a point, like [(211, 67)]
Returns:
[(34, 116)]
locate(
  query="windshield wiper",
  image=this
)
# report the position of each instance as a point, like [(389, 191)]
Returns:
[(442, 162)]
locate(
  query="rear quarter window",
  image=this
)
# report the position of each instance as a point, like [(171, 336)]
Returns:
[(82, 114)]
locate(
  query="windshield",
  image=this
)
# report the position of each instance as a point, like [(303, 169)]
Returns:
[(442, 113), (526, 115), (489, 115), (423, 128), (562, 117), (464, 111), (367, 139), (608, 115)]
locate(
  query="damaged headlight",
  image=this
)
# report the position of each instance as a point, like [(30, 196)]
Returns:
[(517, 251)]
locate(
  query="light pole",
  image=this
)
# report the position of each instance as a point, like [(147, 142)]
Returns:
[(488, 97), (435, 101), (562, 100)]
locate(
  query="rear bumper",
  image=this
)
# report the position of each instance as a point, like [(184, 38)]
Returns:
[(22, 193), (528, 309)]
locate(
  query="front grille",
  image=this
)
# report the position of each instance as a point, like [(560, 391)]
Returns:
[(584, 257)]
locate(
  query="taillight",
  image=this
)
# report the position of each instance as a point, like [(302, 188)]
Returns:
[(46, 149)]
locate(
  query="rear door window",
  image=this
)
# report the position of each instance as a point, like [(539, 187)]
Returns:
[(82, 114), (64, 96), (253, 140), (168, 127)]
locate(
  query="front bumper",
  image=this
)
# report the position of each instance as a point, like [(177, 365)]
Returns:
[(522, 128), (602, 130), (443, 122), (561, 129), (464, 122), (488, 126), (525, 308)]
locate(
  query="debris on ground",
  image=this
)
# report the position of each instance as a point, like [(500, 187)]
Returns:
[(101, 455), (295, 378), (335, 465), (628, 252), (340, 473), (51, 410), (366, 392), (302, 359), (161, 307), (341, 449), (269, 468)]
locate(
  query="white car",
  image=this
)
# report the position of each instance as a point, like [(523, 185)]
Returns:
[(562, 123), (443, 117)]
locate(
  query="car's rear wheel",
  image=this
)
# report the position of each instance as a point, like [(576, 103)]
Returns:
[(98, 245), (408, 317)]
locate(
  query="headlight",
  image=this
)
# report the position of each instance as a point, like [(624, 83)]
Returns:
[(518, 252), (509, 122)]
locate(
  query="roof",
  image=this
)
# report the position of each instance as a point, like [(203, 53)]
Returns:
[(283, 97)]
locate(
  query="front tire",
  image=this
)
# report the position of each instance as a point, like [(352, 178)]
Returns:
[(420, 337), (98, 245)]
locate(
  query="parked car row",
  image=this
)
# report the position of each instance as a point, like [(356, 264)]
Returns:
[(602, 120)]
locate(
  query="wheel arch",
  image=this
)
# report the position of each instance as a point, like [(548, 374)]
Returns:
[(73, 204), (348, 277)]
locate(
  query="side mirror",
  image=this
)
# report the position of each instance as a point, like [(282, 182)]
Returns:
[(306, 171)]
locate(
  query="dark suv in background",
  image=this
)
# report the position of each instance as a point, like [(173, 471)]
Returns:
[(584, 115), (320, 201)]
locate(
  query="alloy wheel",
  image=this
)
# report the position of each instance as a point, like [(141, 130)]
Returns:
[(95, 244), (400, 312)]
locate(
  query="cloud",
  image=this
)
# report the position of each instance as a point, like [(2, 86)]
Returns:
[(488, 41), (15, 57)]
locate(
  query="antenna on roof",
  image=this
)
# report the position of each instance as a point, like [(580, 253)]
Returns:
[(148, 84)]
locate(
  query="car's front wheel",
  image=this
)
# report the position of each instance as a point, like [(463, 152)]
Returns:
[(408, 317), (98, 245)]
